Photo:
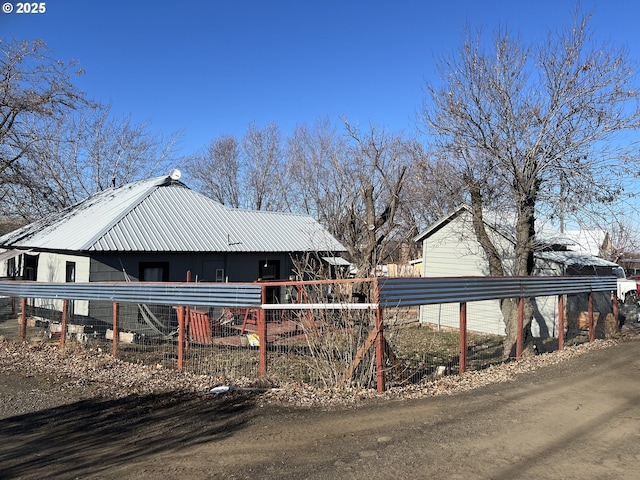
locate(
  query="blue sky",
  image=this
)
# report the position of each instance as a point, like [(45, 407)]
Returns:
[(211, 67)]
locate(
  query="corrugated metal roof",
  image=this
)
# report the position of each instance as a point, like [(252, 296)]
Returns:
[(8, 254), (75, 228), (337, 261), (164, 215), (575, 259), (586, 241)]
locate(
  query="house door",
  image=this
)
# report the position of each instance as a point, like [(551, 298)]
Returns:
[(30, 267), (70, 277), (154, 272), (155, 314), (270, 270), (213, 271)]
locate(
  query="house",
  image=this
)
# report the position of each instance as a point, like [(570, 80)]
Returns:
[(159, 230), (450, 248)]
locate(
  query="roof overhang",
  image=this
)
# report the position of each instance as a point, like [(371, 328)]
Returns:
[(14, 252), (336, 261)]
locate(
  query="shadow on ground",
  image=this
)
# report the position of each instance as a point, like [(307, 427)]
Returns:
[(93, 435)]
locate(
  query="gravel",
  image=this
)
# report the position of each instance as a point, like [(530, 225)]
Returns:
[(78, 372)]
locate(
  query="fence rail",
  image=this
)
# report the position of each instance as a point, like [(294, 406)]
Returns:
[(424, 291), (200, 294), (328, 332)]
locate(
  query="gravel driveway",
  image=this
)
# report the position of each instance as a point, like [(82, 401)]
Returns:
[(573, 414)]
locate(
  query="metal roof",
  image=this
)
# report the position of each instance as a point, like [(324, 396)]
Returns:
[(502, 222), (164, 215), (586, 241), (337, 261), (575, 259)]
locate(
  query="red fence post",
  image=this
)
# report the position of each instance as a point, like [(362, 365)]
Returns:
[(560, 322), (592, 330), (63, 336), (616, 311), (262, 332), (463, 338), (520, 333), (181, 336), (380, 342), (23, 319), (114, 345)]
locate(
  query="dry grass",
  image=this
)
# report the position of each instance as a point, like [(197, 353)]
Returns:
[(320, 355)]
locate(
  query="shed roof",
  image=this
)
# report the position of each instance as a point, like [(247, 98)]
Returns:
[(587, 241), (574, 248), (163, 215), (501, 222), (575, 259)]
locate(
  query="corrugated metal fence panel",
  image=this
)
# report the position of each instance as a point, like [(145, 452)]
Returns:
[(424, 291), (201, 294), (393, 291)]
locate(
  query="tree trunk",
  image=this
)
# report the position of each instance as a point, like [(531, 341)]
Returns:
[(509, 308), (523, 266), (493, 257)]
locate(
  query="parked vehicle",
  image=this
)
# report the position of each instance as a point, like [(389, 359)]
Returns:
[(627, 287)]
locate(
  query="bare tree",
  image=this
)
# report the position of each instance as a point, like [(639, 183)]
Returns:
[(319, 185), (353, 183), (624, 238), (264, 171), (216, 172), (57, 147), (378, 163), (528, 127), (247, 174), (431, 190), (34, 88), (78, 154)]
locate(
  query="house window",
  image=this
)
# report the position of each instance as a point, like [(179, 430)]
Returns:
[(269, 269), (12, 271), (70, 275), (154, 272), (219, 274), (31, 267)]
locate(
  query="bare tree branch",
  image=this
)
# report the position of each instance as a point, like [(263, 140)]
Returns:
[(535, 130)]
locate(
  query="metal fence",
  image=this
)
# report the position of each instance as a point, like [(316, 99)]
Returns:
[(368, 332)]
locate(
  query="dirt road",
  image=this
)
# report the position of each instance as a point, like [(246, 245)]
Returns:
[(579, 419)]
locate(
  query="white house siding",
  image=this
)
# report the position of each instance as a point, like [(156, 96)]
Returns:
[(545, 317), (483, 317), (452, 250), (449, 252), (52, 267), (486, 317)]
